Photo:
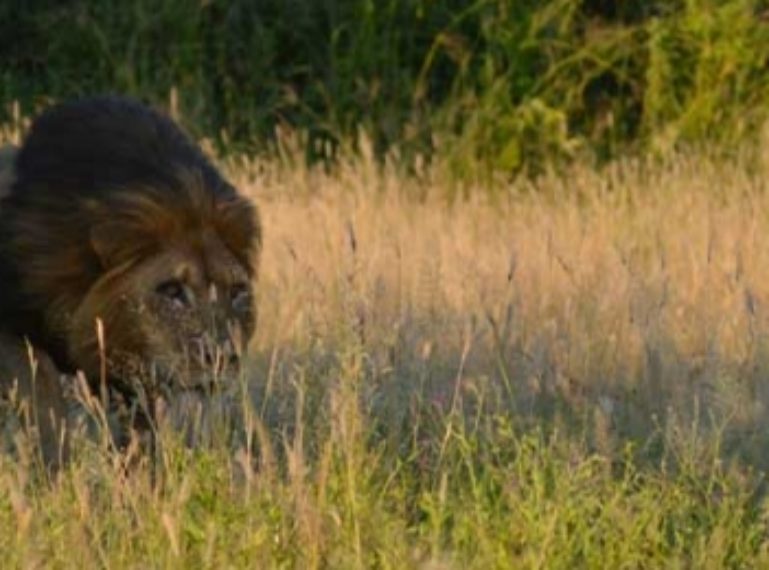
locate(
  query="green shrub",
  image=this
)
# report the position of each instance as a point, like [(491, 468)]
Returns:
[(491, 84)]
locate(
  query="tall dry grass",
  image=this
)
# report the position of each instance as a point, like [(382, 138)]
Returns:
[(625, 301), (563, 373)]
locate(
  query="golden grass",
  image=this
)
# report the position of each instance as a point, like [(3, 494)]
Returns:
[(567, 373), (631, 297)]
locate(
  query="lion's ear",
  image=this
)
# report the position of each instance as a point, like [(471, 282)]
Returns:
[(115, 242)]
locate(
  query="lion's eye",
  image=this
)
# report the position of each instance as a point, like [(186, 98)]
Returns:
[(240, 295), (174, 290)]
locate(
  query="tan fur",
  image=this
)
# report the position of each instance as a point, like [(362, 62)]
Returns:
[(31, 383)]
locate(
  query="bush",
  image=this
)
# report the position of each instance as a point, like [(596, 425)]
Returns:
[(500, 84)]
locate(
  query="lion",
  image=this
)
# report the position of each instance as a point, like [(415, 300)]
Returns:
[(124, 256)]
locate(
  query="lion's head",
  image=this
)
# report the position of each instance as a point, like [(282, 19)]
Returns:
[(123, 252)]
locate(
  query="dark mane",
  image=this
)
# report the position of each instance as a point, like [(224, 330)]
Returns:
[(97, 180)]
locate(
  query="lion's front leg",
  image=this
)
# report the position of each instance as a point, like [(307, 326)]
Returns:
[(30, 377)]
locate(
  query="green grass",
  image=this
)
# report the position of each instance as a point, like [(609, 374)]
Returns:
[(498, 499), (570, 375)]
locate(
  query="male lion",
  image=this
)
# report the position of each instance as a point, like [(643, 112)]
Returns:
[(124, 254)]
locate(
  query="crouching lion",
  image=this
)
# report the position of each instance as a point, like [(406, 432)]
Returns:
[(124, 254)]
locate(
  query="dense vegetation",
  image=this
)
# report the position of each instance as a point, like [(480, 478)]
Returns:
[(500, 83)]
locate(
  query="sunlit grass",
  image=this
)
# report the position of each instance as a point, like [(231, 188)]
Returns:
[(562, 374)]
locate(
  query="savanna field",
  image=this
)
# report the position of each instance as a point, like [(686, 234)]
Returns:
[(513, 297), (571, 374)]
